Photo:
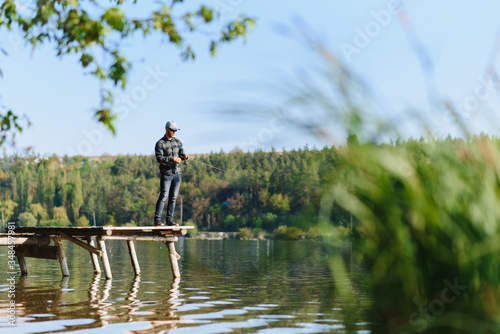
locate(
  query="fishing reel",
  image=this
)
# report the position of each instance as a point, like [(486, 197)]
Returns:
[(186, 163)]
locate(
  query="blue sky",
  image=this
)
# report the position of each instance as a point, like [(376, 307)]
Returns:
[(59, 98)]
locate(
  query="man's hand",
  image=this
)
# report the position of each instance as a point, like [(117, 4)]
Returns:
[(186, 157), (178, 160)]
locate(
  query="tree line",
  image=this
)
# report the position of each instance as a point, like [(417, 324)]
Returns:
[(277, 191), (259, 190)]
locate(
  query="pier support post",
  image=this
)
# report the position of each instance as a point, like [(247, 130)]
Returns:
[(133, 257), (61, 256), (22, 264), (104, 258), (173, 258), (95, 258)]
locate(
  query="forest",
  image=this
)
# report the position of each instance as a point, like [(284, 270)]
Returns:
[(258, 191)]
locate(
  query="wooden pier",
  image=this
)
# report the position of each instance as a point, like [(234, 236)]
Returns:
[(35, 242)]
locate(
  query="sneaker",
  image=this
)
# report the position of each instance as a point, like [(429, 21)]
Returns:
[(171, 223), (159, 224)]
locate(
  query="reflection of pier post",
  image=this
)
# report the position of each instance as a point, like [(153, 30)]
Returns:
[(94, 289), (169, 319), (64, 288), (132, 298), (134, 289), (103, 305), (173, 296)]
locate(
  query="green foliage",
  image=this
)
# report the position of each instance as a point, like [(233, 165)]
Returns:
[(76, 195), (60, 212), (269, 221), (279, 203), (289, 233), (82, 221), (38, 211), (259, 233), (111, 220), (314, 233), (192, 232), (10, 124), (27, 219), (97, 35), (264, 190), (428, 218), (59, 222), (7, 208), (294, 233), (245, 233), (131, 224)]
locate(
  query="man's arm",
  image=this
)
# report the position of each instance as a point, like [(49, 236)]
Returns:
[(182, 154)]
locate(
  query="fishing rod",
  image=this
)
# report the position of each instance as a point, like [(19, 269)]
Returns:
[(210, 166)]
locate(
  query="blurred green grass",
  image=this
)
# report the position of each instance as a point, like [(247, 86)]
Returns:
[(427, 216)]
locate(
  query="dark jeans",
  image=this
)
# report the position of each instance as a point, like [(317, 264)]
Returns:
[(169, 188)]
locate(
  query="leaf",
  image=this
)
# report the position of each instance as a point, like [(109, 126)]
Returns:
[(86, 59), (115, 17), (206, 13), (213, 48), (107, 118), (118, 71)]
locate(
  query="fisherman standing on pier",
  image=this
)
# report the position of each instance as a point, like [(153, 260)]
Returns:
[(169, 154)]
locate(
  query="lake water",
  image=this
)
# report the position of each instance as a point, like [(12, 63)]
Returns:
[(227, 286)]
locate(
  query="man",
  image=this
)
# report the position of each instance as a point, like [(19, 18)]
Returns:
[(169, 154)]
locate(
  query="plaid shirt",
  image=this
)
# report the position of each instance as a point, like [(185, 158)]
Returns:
[(165, 151)]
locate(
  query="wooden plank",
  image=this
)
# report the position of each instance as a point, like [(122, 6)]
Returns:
[(63, 260), (17, 239), (107, 230), (81, 244), (149, 231), (39, 252), (140, 238), (73, 231), (145, 228), (133, 257)]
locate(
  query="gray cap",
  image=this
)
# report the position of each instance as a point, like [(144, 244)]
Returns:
[(172, 126)]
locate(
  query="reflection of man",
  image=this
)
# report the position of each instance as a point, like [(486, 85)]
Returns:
[(169, 154)]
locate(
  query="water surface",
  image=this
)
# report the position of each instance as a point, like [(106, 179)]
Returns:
[(227, 286)]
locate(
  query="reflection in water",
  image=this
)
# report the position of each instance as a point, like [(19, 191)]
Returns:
[(40, 303), (132, 296), (173, 296), (102, 306), (226, 286), (168, 318), (94, 289)]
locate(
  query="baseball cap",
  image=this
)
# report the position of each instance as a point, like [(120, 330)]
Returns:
[(172, 126)]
